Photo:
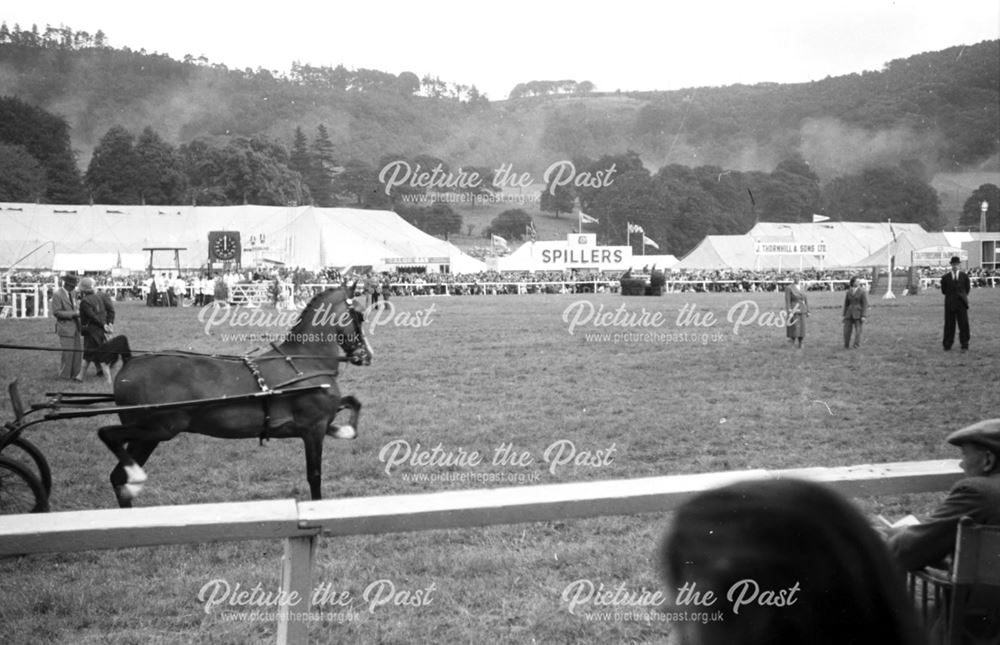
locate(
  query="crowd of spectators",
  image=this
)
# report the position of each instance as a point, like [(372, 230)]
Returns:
[(200, 287)]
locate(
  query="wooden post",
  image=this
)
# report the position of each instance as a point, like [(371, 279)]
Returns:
[(296, 584)]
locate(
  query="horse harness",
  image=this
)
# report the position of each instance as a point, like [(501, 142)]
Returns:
[(254, 368)]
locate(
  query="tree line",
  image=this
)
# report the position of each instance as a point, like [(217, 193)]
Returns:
[(942, 107)]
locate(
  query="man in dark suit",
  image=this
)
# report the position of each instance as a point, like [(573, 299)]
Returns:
[(855, 312), (977, 495), (68, 328), (955, 286)]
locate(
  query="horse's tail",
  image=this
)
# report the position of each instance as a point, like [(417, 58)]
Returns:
[(116, 348)]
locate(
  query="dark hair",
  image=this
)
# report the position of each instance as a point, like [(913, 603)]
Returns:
[(779, 534), (854, 280)]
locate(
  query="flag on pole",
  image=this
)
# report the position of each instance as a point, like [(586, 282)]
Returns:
[(587, 219), (635, 228), (499, 241), (819, 218), (649, 242), (530, 230), (892, 232)]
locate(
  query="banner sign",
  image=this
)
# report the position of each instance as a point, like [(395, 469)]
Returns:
[(789, 248), (416, 261), (935, 256), (604, 258)]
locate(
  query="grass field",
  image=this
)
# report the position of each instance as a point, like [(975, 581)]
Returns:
[(481, 374)]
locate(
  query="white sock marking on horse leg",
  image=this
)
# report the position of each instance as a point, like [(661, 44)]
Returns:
[(345, 432), (136, 475), (131, 491)]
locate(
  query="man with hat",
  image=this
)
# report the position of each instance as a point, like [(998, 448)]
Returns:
[(955, 286), (68, 328), (977, 496)]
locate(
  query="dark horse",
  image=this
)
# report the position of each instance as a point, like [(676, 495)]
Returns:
[(308, 356)]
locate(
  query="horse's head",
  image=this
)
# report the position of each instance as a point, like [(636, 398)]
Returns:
[(335, 315)]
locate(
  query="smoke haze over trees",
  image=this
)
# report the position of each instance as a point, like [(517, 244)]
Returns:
[(692, 162)]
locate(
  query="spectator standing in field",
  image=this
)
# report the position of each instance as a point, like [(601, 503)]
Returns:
[(93, 326), (797, 308), (109, 316), (64, 309), (855, 312), (827, 573), (955, 287), (152, 294)]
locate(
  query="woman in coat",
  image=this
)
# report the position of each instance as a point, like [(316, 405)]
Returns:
[(93, 322), (797, 308)]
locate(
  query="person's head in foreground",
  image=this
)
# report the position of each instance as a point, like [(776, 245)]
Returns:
[(980, 446), (786, 561)]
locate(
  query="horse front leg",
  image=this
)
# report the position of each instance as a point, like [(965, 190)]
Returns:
[(349, 431)]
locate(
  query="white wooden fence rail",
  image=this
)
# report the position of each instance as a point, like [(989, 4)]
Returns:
[(299, 523)]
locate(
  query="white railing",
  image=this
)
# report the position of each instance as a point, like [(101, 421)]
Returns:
[(299, 523), (29, 301)]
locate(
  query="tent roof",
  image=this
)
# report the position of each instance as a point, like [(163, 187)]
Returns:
[(914, 241), (99, 261), (302, 236), (846, 243)]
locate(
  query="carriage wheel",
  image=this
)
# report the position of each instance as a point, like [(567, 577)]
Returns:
[(20, 490), (37, 458)]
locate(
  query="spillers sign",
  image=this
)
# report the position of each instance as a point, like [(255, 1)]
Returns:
[(582, 252)]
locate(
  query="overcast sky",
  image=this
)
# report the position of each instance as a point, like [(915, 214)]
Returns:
[(622, 44)]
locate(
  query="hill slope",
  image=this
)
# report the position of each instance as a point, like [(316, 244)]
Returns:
[(941, 107)]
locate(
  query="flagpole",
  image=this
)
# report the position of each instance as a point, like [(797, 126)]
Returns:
[(628, 234), (888, 294)]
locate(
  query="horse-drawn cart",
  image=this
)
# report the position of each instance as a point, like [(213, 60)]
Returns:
[(25, 476), (289, 390)]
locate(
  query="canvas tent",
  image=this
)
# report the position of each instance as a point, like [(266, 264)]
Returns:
[(927, 249), (777, 245), (33, 235)]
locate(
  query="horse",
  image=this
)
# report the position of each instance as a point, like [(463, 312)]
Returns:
[(308, 356)]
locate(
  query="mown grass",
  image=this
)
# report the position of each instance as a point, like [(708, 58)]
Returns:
[(488, 371)]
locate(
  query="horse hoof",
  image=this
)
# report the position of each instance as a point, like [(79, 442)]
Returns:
[(130, 491), (136, 475), (344, 432)]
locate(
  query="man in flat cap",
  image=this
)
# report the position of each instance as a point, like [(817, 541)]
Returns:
[(64, 308), (977, 496), (955, 286)]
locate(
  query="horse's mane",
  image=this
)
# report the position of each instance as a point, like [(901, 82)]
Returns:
[(309, 312)]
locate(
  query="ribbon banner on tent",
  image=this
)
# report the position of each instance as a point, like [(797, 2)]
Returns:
[(789, 248), (938, 256), (417, 260)]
